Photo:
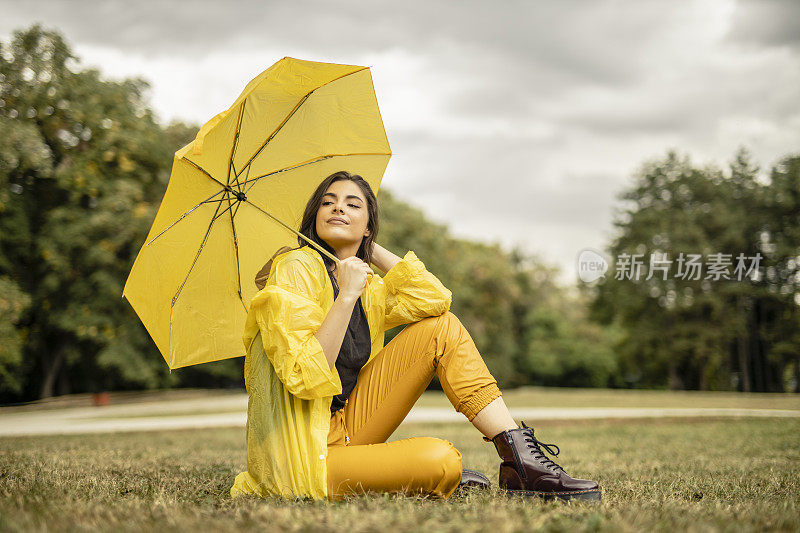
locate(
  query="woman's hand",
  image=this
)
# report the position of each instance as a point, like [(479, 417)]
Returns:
[(351, 275)]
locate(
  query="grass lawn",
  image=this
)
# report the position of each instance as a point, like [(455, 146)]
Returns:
[(664, 474)]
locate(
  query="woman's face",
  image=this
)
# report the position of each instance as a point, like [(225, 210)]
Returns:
[(343, 200)]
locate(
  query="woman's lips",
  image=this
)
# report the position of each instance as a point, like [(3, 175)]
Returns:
[(337, 222)]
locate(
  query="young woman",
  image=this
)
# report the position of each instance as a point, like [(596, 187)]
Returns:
[(325, 393)]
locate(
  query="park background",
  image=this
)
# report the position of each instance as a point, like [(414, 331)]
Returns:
[(517, 144), (522, 134)]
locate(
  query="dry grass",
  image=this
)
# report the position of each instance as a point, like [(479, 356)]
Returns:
[(696, 475)]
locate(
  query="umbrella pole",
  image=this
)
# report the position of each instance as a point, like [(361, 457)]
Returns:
[(312, 243), (321, 249), (317, 246)]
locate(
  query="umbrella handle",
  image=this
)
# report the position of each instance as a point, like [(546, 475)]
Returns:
[(322, 250), (312, 243)]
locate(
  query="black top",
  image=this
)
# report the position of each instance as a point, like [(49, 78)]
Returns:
[(354, 352)]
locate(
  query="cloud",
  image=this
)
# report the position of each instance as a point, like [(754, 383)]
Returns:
[(766, 23)]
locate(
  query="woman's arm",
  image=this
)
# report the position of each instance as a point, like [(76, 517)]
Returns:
[(287, 314), (383, 258), (352, 275), (412, 292), (331, 333)]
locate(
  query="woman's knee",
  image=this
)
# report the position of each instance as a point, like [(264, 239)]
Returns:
[(442, 460), (447, 321)]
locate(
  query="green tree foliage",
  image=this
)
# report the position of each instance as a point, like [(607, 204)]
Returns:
[(13, 302), (711, 332), (777, 312), (83, 166)]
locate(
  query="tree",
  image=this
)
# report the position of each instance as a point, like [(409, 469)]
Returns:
[(83, 165), (703, 333), (777, 312)]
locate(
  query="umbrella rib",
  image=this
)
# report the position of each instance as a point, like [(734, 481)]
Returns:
[(235, 179), (274, 133), (217, 214), (245, 180), (206, 201), (204, 171), (235, 145), (236, 250), (236, 209), (285, 120), (310, 161), (252, 181), (279, 221)]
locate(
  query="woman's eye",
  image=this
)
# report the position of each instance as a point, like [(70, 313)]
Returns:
[(328, 202), (349, 205)]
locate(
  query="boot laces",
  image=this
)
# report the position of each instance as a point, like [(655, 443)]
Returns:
[(536, 448)]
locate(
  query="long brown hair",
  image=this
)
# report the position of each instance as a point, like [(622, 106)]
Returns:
[(308, 226)]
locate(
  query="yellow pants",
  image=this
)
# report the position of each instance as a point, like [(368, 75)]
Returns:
[(360, 459)]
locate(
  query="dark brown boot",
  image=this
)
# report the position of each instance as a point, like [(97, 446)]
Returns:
[(472, 480), (526, 469)]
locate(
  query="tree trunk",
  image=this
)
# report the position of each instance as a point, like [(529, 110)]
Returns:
[(675, 382), (743, 352), (703, 381), (51, 373), (797, 374), (63, 382), (761, 347)]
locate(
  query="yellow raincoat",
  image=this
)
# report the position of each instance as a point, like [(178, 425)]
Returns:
[(288, 380)]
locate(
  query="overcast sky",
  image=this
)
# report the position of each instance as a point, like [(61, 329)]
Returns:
[(511, 122)]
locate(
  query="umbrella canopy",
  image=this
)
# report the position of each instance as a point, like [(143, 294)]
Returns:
[(237, 193)]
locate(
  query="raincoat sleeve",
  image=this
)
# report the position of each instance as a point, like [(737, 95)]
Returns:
[(288, 315), (413, 293)]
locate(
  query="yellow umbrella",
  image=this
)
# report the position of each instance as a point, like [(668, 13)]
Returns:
[(237, 193)]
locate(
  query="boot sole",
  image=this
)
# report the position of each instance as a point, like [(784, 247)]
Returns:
[(586, 495)]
